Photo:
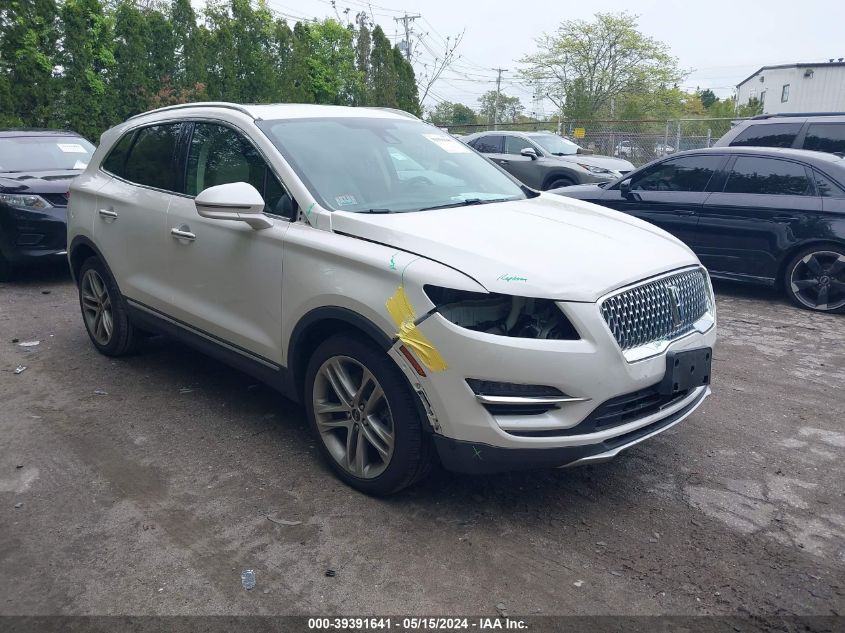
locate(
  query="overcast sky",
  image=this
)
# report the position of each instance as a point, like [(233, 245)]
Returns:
[(719, 41)]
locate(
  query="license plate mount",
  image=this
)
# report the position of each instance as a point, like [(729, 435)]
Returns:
[(686, 370)]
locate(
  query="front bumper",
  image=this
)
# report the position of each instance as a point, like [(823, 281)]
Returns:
[(591, 371), (30, 235)]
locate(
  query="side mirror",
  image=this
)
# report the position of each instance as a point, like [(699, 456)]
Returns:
[(530, 152), (625, 187), (233, 201)]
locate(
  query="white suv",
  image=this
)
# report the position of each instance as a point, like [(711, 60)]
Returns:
[(416, 298)]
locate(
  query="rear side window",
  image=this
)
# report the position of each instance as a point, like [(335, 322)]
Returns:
[(690, 173), (769, 176), (152, 161), (116, 160), (489, 144), (827, 188), (768, 135), (825, 137)]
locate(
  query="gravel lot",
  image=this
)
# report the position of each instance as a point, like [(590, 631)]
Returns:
[(146, 485)]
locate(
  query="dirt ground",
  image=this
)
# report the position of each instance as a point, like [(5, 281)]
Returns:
[(146, 485)]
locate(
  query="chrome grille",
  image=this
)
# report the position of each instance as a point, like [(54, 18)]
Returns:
[(659, 310)]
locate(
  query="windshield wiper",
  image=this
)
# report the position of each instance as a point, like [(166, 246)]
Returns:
[(374, 211), (465, 203)]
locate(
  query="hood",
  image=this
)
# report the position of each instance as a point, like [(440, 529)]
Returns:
[(37, 182), (597, 160), (550, 246)]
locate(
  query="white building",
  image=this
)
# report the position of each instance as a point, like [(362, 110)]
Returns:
[(797, 87)]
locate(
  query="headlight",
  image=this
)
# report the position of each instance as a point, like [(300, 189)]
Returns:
[(596, 170), (505, 315), (24, 201)]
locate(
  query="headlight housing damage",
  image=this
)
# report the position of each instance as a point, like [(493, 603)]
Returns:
[(504, 315)]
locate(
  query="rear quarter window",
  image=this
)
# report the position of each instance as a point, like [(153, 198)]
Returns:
[(767, 135), (825, 137), (116, 160), (152, 160)]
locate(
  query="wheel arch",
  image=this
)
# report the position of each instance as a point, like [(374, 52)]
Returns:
[(316, 326), (787, 256), (81, 248), (558, 175)]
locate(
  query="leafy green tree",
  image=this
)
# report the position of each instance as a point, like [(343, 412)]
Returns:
[(162, 46), (29, 32), (87, 61), (596, 62), (331, 64), (752, 108), (189, 64), (301, 88), (449, 113), (509, 108), (383, 76)]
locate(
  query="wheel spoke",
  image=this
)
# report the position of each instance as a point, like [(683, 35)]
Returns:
[(803, 284), (837, 285), (366, 380), (375, 398), (822, 299), (379, 438), (837, 267), (331, 407), (89, 300), (107, 323), (355, 451), (339, 381), (813, 264), (331, 425)]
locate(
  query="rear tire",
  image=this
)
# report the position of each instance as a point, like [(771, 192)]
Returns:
[(365, 417), (559, 182), (104, 310), (815, 278)]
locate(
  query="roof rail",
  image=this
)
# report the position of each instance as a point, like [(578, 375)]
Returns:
[(797, 114), (198, 104), (407, 115)]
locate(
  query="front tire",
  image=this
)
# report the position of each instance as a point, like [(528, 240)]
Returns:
[(104, 310), (815, 279), (365, 417), (559, 182)]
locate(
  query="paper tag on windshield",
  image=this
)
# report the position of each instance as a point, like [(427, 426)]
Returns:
[(447, 143), (71, 148)]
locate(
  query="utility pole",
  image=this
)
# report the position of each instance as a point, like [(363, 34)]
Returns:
[(498, 90), (406, 23)]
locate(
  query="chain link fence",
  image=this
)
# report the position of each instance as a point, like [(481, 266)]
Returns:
[(638, 141)]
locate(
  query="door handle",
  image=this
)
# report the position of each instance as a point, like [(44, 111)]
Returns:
[(786, 219), (107, 213), (685, 212), (183, 233)]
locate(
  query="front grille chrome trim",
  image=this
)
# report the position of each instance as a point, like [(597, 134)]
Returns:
[(646, 317), (523, 400)]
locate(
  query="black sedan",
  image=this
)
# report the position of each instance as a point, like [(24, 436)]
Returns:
[(761, 215), (36, 167)]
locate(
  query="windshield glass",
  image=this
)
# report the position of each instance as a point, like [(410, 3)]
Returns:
[(555, 145), (386, 165), (44, 153)]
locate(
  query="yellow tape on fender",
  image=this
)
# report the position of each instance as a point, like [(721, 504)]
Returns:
[(402, 313)]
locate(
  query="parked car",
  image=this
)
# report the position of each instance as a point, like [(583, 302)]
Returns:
[(455, 311), (36, 167), (770, 216), (819, 132), (543, 160), (642, 149)]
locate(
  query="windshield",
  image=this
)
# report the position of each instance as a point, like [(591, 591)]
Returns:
[(44, 153), (555, 145), (386, 165)]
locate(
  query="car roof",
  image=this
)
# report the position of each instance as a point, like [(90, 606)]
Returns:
[(17, 132), (284, 110), (780, 152)]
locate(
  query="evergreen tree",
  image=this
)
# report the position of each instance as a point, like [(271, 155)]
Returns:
[(382, 80), (161, 47), (132, 83), (189, 67), (363, 48), (87, 60), (28, 50), (406, 84), (281, 51), (301, 86)]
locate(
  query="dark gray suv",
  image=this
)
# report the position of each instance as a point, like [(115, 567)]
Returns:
[(819, 132), (543, 160)]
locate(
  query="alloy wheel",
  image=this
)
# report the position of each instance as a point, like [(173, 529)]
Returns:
[(353, 417), (818, 280), (97, 307)]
